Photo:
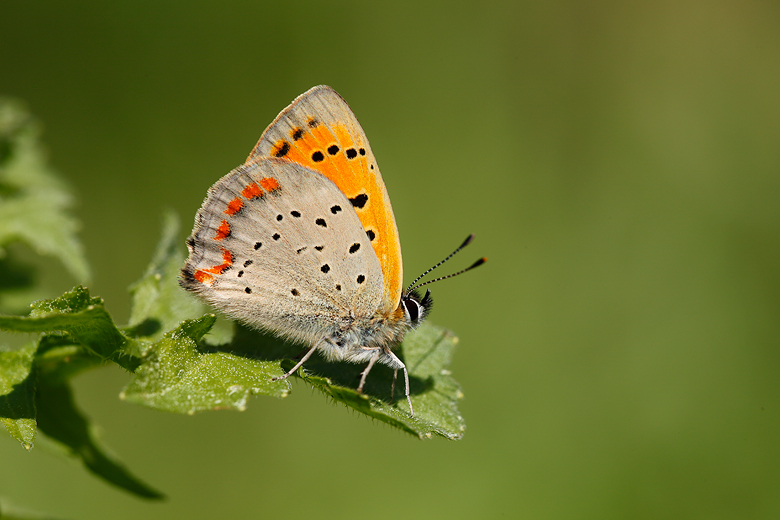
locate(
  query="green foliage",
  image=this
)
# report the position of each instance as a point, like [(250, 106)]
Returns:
[(434, 392), (180, 357), (33, 205), (77, 334), (17, 394), (179, 376), (83, 319)]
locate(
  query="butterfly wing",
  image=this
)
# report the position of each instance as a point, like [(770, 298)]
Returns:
[(276, 246), (319, 131)]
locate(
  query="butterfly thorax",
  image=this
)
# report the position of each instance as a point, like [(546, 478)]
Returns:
[(358, 339)]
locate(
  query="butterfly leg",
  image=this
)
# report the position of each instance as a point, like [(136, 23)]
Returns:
[(298, 365), (365, 372), (392, 388), (400, 364)]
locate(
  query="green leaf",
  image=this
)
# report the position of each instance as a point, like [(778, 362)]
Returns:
[(89, 338), (178, 376), (33, 201), (434, 393), (17, 394), (85, 320), (59, 419), (427, 352), (78, 332), (181, 376)]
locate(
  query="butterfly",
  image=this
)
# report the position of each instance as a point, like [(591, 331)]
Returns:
[(301, 241)]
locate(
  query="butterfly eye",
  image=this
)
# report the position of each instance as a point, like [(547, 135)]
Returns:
[(412, 309), (416, 308)]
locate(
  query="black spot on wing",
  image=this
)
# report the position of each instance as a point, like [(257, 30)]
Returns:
[(359, 201), (282, 150)]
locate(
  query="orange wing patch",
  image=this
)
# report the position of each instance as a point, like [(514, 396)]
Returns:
[(336, 155), (319, 131)]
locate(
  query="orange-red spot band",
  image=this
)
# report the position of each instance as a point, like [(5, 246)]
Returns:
[(227, 261), (203, 277), (234, 206), (269, 184), (251, 191), (223, 231)]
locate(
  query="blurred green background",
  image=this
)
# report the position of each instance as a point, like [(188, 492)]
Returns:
[(619, 164)]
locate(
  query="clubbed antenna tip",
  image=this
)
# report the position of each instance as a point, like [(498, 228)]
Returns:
[(472, 266)]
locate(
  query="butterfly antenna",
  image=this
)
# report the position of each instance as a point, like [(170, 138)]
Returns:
[(472, 266)]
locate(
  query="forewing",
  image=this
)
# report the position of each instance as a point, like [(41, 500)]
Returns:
[(319, 130)]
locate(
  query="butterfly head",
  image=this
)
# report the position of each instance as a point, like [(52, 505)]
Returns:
[(416, 308)]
